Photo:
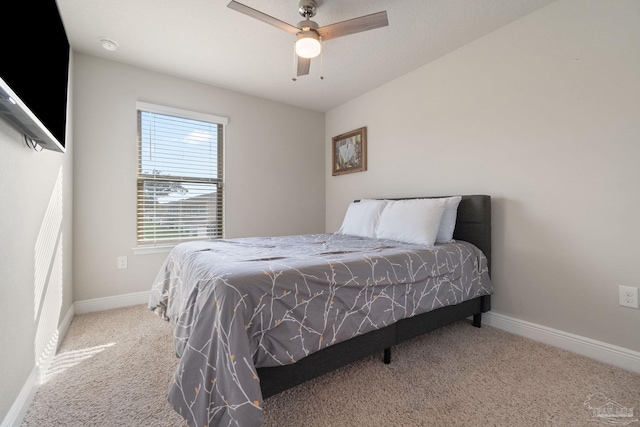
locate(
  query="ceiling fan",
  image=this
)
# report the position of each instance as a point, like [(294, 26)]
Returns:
[(308, 34)]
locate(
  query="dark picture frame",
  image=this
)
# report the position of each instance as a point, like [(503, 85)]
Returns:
[(349, 152)]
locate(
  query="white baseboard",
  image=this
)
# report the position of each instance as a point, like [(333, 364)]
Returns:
[(598, 350), (108, 303), (21, 405), (66, 322)]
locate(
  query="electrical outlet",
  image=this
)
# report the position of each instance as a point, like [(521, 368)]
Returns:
[(122, 262), (628, 296)]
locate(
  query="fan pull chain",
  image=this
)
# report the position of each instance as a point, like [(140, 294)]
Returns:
[(295, 63), (321, 62)]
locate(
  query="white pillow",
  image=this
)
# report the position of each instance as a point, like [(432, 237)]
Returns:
[(411, 221), (362, 218), (448, 221)]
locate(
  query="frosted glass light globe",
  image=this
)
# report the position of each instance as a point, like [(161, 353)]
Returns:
[(308, 45)]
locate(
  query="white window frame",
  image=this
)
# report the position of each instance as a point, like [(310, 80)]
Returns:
[(143, 247)]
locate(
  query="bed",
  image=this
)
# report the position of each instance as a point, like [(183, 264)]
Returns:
[(255, 316)]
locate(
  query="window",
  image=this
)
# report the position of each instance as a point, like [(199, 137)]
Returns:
[(180, 175)]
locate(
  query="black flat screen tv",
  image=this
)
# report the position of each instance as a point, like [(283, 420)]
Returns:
[(34, 72)]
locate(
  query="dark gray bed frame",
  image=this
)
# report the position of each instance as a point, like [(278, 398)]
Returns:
[(473, 225)]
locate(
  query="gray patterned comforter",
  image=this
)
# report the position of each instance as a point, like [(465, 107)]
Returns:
[(238, 304)]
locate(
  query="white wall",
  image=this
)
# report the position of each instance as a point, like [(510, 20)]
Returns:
[(36, 282), (544, 116), (273, 161)]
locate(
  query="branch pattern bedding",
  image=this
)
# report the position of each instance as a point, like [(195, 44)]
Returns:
[(242, 304)]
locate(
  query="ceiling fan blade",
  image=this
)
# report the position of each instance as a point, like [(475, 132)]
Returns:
[(239, 7), (303, 66), (352, 26)]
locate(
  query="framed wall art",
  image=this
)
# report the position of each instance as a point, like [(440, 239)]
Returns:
[(350, 152)]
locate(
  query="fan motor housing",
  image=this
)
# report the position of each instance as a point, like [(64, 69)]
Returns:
[(307, 25)]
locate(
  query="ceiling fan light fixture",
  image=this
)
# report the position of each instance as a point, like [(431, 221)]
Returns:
[(309, 35), (308, 44)]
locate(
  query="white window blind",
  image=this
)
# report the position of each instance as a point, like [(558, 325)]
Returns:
[(180, 175)]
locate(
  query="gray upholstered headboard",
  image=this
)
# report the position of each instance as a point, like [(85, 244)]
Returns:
[(473, 223)]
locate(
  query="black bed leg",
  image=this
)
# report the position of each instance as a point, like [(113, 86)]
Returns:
[(387, 355), (477, 320)]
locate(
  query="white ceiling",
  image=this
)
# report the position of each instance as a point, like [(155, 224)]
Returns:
[(205, 41)]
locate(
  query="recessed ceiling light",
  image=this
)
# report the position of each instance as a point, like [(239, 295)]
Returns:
[(108, 44)]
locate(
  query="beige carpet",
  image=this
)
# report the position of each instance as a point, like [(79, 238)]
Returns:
[(113, 369)]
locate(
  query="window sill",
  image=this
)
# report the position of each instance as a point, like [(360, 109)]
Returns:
[(143, 250)]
